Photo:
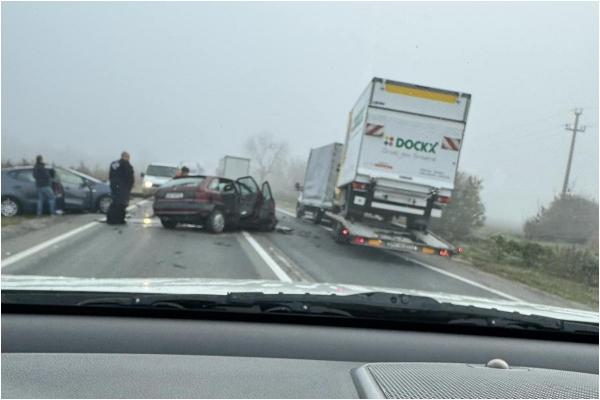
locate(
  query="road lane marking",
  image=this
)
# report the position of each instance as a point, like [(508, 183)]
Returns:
[(285, 212), (135, 205), (281, 275), (460, 278), (44, 245)]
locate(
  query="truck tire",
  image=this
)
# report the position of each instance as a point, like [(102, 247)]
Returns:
[(299, 210), (337, 233), (317, 216), (215, 223)]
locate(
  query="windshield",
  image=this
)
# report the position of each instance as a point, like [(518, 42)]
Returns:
[(446, 151), (162, 171)]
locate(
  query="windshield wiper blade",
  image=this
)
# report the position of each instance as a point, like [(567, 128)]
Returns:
[(394, 307), (422, 309)]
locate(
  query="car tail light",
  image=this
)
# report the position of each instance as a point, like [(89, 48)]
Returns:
[(444, 253), (443, 199), (345, 232), (359, 186)]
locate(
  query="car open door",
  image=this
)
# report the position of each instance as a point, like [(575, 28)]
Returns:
[(249, 196), (77, 192), (266, 212)]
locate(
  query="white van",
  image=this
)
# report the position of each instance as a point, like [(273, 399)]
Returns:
[(156, 175)]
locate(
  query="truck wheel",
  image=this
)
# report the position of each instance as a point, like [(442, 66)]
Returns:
[(337, 233), (215, 223), (299, 211), (317, 216), (167, 223)]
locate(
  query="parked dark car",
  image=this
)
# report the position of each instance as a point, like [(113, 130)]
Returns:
[(216, 203), (80, 192)]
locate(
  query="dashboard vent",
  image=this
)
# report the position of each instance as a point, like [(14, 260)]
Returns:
[(446, 381)]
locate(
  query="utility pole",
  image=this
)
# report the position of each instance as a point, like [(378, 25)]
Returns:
[(573, 129)]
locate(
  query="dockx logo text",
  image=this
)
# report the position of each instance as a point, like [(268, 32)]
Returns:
[(409, 144)]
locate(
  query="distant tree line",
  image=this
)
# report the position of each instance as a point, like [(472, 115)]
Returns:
[(568, 218)]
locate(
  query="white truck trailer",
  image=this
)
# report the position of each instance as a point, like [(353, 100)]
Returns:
[(318, 192), (394, 172), (401, 152), (233, 167)]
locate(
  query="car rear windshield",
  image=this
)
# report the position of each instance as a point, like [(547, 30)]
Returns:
[(159, 170), (194, 181)]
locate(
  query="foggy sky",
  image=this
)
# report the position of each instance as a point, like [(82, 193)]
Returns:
[(190, 81)]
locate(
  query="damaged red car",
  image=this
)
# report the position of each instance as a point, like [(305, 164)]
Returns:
[(216, 203)]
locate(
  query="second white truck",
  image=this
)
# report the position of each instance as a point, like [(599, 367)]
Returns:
[(231, 167)]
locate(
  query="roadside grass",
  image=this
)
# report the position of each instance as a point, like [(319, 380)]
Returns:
[(570, 272), (10, 221)]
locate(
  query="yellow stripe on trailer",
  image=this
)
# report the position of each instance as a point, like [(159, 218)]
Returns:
[(421, 93)]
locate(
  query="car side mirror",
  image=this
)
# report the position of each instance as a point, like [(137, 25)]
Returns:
[(142, 174)]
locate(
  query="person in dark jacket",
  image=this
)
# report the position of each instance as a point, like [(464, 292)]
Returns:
[(121, 178), (43, 183)]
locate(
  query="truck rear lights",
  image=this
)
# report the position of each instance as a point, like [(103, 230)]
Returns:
[(443, 199), (444, 253), (359, 240), (359, 186)]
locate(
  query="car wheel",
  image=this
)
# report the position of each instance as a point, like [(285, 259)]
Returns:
[(10, 207), (215, 222), (167, 223), (104, 203)]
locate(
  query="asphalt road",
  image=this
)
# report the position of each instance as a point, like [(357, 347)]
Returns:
[(79, 246)]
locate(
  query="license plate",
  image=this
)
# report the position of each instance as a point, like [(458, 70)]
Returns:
[(400, 246), (176, 195), (360, 201)]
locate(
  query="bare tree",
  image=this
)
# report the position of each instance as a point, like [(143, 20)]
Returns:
[(266, 152)]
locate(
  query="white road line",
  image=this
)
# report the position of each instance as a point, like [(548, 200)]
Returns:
[(281, 275), (288, 213), (460, 278), (44, 245), (139, 203)]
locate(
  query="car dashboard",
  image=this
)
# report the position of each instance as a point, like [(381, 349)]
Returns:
[(83, 356)]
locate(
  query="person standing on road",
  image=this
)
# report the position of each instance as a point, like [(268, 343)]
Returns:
[(185, 171), (43, 183), (121, 178)]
